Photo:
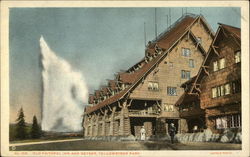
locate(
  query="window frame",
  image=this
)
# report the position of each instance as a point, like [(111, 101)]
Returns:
[(237, 58), (220, 63), (185, 74), (172, 91), (152, 86), (186, 52), (191, 63)]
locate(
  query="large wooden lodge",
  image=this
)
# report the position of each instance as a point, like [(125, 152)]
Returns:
[(212, 99), (146, 94)]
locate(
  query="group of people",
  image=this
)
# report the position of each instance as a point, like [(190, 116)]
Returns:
[(171, 131)]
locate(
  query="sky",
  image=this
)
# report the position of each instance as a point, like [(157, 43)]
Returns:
[(98, 42)]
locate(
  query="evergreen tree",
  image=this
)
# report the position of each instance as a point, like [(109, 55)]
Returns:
[(35, 130), (21, 132)]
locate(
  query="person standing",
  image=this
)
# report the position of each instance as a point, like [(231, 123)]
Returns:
[(143, 133), (171, 132)]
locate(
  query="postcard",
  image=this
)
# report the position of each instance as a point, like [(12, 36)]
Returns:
[(141, 78)]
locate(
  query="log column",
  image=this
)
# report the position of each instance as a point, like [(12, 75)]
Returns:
[(96, 124), (121, 129), (104, 122), (91, 125), (85, 125), (111, 130), (124, 120)]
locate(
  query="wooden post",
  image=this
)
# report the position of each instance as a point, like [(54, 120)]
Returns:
[(91, 126), (97, 124), (104, 123), (121, 127), (111, 131), (85, 125)]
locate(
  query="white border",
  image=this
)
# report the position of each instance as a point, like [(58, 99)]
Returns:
[(245, 63)]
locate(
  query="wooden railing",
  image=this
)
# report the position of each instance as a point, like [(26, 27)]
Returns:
[(143, 112), (191, 112)]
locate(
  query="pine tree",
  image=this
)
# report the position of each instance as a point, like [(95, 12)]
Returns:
[(35, 130), (21, 132)]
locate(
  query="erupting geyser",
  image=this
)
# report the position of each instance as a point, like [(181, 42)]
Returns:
[(64, 93)]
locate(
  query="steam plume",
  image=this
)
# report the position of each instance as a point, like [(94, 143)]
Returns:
[(64, 93)]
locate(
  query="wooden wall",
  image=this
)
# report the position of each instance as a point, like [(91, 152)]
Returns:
[(227, 48), (171, 76)]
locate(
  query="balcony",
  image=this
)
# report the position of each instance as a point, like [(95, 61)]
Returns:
[(143, 113), (191, 112)]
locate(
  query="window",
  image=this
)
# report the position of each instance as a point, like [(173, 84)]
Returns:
[(186, 52), (153, 86), (221, 90), (215, 65), (171, 91), (191, 63), (199, 40), (229, 121), (185, 74), (168, 107), (237, 57), (236, 86), (227, 89), (222, 63), (214, 92), (221, 123), (150, 86), (234, 121), (188, 75)]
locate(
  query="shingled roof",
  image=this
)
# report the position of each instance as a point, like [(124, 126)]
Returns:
[(165, 41)]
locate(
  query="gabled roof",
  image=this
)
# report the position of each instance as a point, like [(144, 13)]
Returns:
[(233, 30), (230, 30), (166, 41)]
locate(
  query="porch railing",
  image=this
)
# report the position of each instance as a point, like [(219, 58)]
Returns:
[(143, 112)]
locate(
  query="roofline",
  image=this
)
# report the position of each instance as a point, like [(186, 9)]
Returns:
[(209, 51), (221, 25), (207, 25), (228, 25), (160, 58)]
